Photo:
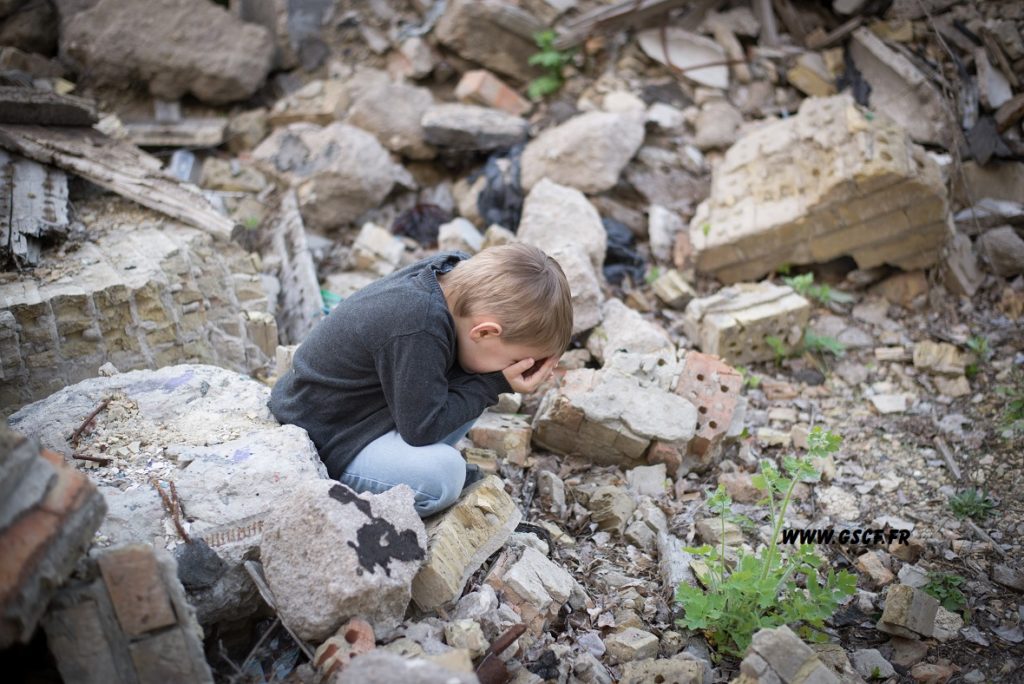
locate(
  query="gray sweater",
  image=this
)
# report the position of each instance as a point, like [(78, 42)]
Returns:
[(384, 359)]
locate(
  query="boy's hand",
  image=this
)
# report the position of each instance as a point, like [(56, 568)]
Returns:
[(527, 375)]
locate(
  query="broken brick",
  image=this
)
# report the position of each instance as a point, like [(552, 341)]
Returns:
[(714, 388), (480, 86), (507, 434), (140, 600)]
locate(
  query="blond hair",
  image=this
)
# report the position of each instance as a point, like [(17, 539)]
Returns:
[(522, 287)]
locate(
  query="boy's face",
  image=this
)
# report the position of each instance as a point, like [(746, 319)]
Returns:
[(481, 349)]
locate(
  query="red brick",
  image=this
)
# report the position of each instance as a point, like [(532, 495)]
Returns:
[(713, 386), (482, 87), (136, 589)]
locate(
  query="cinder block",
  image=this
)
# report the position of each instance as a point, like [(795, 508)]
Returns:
[(734, 322), (714, 388)]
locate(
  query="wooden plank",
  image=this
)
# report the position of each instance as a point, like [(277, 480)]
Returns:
[(621, 15), (43, 108), (193, 133), (33, 208), (301, 302), (120, 167)]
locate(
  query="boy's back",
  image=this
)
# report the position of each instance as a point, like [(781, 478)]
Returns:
[(384, 358)]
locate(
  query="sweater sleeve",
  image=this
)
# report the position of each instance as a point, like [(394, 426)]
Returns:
[(426, 409)]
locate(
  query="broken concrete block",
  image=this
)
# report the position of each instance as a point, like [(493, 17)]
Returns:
[(478, 31), (890, 403), (678, 670), (142, 294), (415, 58), (609, 417), (239, 458), (778, 655), (560, 217), (133, 623), (714, 388), (662, 227), (330, 555), (1003, 249), (631, 644), (46, 524), (338, 171), (376, 250), (611, 508), (584, 286), (176, 47), (466, 634), (870, 664), (717, 124), (508, 434), (472, 128), (480, 86), (740, 487), (382, 667), (624, 330), (392, 112), (710, 530), (960, 270), (939, 357), (871, 565), (899, 90), (461, 539), (647, 480), (588, 152), (535, 586), (810, 75), (459, 235), (734, 322), (673, 290), (848, 185), (317, 102), (908, 613), (685, 50)]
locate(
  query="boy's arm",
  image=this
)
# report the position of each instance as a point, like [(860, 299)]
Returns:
[(425, 407)]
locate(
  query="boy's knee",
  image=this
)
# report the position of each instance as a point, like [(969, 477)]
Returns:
[(445, 484)]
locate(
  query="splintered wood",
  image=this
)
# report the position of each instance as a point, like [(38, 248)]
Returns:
[(33, 208), (120, 167)]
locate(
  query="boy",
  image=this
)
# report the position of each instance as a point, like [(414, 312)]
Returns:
[(397, 373)]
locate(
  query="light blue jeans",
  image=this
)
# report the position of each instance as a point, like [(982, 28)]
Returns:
[(435, 472)]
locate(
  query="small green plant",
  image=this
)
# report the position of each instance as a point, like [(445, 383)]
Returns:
[(251, 222), (822, 344), (979, 346), (552, 61), (778, 346), (652, 275), (876, 672), (1013, 412), (749, 379), (971, 503), (770, 587), (705, 228), (804, 284), (945, 587)]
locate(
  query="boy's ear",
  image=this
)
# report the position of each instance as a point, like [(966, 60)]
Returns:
[(484, 330)]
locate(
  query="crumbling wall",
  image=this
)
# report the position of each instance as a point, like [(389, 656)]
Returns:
[(142, 292)]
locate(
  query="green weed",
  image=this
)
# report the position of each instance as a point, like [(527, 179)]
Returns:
[(804, 285), (552, 61), (971, 503), (770, 587), (944, 586)]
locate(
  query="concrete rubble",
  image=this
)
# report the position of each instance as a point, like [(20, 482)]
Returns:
[(909, 613), (734, 322), (48, 514), (180, 47), (588, 152), (778, 655), (849, 185), (322, 577), (227, 456), (127, 619), (461, 539)]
